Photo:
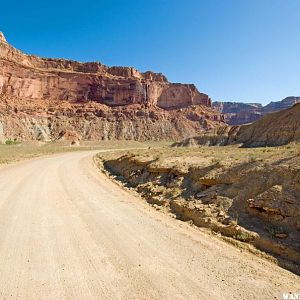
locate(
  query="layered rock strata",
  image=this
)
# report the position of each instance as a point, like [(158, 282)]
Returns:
[(40, 90)]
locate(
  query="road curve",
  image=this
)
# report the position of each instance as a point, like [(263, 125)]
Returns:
[(68, 232)]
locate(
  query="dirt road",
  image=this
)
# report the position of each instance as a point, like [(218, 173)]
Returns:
[(67, 232)]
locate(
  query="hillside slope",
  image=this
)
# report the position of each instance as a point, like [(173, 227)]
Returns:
[(238, 113), (275, 129)]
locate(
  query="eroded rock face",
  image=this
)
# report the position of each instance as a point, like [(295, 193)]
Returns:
[(33, 78), (276, 205), (181, 95), (47, 98), (54, 120), (236, 113), (253, 201)]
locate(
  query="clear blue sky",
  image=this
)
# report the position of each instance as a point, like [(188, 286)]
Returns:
[(233, 50)]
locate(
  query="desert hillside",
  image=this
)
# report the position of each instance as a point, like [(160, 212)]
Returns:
[(238, 113), (274, 129)]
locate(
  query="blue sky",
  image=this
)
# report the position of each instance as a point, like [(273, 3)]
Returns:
[(233, 50)]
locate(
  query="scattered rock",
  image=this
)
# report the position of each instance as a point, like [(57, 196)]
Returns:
[(75, 143), (281, 235)]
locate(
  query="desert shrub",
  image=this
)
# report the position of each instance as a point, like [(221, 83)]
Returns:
[(252, 159), (217, 162), (11, 142), (242, 236)]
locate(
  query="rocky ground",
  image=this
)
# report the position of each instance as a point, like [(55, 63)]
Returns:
[(250, 196)]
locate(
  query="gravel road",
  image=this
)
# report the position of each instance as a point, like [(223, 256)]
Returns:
[(68, 232)]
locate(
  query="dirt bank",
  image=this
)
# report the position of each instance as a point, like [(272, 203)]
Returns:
[(249, 195)]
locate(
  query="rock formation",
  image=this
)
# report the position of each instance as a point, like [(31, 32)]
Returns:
[(246, 194), (280, 105), (274, 129), (96, 101), (238, 113)]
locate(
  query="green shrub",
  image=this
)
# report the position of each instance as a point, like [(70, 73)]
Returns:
[(11, 142)]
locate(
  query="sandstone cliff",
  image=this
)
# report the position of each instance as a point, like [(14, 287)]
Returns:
[(82, 97), (33, 78)]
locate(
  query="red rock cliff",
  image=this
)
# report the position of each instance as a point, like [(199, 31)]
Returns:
[(50, 99), (34, 78)]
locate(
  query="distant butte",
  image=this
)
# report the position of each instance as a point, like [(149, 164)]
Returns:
[(238, 113)]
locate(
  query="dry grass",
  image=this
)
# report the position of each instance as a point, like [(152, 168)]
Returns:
[(15, 152), (227, 156)]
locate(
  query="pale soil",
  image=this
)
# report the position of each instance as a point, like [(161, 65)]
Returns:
[(67, 232)]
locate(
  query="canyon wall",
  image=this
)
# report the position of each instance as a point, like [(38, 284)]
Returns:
[(57, 98), (34, 78)]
